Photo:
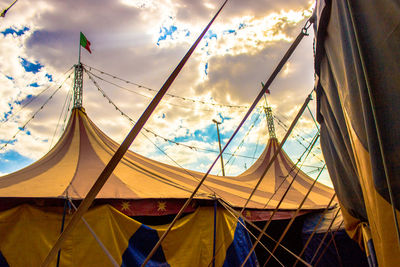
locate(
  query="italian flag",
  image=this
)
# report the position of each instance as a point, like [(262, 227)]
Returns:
[(85, 43)]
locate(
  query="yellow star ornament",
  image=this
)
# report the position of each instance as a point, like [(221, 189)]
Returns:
[(125, 205), (162, 206)]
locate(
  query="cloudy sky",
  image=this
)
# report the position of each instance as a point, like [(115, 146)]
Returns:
[(141, 42)]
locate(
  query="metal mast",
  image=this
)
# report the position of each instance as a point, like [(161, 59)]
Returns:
[(78, 85), (270, 122)]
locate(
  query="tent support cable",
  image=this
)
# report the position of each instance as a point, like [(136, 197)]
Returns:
[(154, 144), (123, 114), (20, 129), (312, 116), (67, 99), (315, 229), (324, 237), (33, 98), (277, 151), (272, 77), (292, 169), (327, 246), (62, 228), (112, 164), (264, 173), (103, 247), (295, 215), (238, 216)]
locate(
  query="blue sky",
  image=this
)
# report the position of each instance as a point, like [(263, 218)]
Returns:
[(142, 43)]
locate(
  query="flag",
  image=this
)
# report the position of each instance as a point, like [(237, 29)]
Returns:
[(266, 91), (85, 43)]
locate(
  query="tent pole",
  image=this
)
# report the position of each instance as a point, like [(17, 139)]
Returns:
[(324, 237), (280, 201), (294, 215), (328, 244), (112, 164), (239, 216), (272, 77), (315, 229), (220, 149), (62, 228)]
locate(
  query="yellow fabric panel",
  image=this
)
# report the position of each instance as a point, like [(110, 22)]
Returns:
[(26, 237), (352, 226), (379, 211), (113, 228), (197, 246), (28, 233)]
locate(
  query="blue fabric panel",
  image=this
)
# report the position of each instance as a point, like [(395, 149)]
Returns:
[(239, 249), (3, 261), (350, 253), (140, 245), (371, 257)]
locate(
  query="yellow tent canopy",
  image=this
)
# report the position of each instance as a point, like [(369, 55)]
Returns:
[(71, 167)]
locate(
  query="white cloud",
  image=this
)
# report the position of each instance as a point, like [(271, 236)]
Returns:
[(124, 37)]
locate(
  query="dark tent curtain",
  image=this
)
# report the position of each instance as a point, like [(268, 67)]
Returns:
[(357, 67)]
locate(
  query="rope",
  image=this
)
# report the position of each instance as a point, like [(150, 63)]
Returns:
[(242, 142), (67, 99), (283, 125), (33, 116), (312, 116), (168, 94), (238, 215), (327, 246), (295, 215), (323, 238), (308, 149), (3, 14), (248, 230), (159, 148), (277, 151), (110, 257), (29, 101), (110, 101), (262, 92), (315, 228), (275, 210), (150, 97)]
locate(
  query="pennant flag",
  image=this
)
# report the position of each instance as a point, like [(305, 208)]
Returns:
[(85, 43), (267, 91)]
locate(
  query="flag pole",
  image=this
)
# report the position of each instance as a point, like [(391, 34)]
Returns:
[(79, 57)]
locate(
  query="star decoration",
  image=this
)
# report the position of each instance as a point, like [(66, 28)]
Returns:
[(162, 206), (248, 213), (125, 205)]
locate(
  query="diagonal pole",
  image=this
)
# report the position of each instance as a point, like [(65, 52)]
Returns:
[(112, 164), (283, 196), (315, 229), (295, 215), (278, 68), (3, 14)]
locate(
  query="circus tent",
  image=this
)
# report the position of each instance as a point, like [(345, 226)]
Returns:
[(71, 167)]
